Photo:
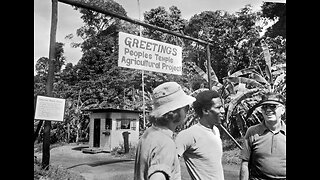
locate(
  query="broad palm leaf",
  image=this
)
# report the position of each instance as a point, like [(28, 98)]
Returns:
[(236, 99)]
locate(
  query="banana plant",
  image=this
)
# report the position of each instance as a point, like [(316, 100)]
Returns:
[(243, 89)]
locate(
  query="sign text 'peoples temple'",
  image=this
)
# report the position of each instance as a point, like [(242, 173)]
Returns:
[(146, 54)]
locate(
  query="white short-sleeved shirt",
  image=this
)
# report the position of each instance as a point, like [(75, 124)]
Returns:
[(201, 149)]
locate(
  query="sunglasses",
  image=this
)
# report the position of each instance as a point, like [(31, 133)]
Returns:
[(270, 106)]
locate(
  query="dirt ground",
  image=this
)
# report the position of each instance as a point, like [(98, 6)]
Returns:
[(105, 166)]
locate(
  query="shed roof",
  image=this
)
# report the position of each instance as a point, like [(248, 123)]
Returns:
[(99, 110)]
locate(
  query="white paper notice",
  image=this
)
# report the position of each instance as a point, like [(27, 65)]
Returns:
[(48, 108)]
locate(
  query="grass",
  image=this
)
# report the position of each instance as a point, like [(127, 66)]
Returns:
[(54, 173), (231, 152)]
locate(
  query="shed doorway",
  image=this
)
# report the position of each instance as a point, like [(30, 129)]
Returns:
[(96, 136)]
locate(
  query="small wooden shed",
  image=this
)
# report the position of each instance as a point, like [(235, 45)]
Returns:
[(108, 127)]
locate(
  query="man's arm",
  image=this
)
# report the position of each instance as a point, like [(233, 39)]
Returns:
[(244, 170)]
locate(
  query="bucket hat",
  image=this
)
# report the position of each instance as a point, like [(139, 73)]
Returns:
[(167, 97)]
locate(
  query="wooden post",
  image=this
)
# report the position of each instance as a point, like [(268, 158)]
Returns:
[(142, 78), (36, 134), (49, 85)]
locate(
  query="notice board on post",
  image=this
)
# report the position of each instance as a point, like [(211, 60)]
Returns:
[(146, 54), (48, 108)]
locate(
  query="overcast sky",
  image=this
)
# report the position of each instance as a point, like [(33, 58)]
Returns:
[(69, 20)]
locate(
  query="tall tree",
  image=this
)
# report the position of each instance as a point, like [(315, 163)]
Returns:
[(42, 67), (233, 37), (42, 64), (276, 12), (171, 20)]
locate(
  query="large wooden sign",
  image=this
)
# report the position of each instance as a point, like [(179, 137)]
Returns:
[(146, 54), (48, 108)]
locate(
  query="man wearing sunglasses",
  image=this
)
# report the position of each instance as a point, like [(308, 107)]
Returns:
[(264, 152)]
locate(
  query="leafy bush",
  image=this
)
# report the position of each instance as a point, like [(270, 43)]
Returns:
[(119, 151), (228, 144), (231, 157), (231, 152)]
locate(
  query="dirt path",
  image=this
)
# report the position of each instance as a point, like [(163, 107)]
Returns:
[(104, 166)]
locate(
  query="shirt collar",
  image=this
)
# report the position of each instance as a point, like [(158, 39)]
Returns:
[(164, 130), (202, 126), (263, 127), (208, 129), (283, 128)]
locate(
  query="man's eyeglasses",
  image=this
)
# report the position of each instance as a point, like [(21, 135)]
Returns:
[(270, 106)]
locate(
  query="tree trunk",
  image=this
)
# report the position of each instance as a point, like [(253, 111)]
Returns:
[(77, 133)]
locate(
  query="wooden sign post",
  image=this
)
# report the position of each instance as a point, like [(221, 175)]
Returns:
[(49, 85)]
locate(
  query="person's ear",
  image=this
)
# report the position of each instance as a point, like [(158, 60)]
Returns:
[(205, 111), (282, 109)]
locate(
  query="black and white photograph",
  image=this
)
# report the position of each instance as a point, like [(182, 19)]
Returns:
[(159, 89)]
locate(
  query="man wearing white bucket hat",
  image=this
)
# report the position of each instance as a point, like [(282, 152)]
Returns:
[(156, 156)]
